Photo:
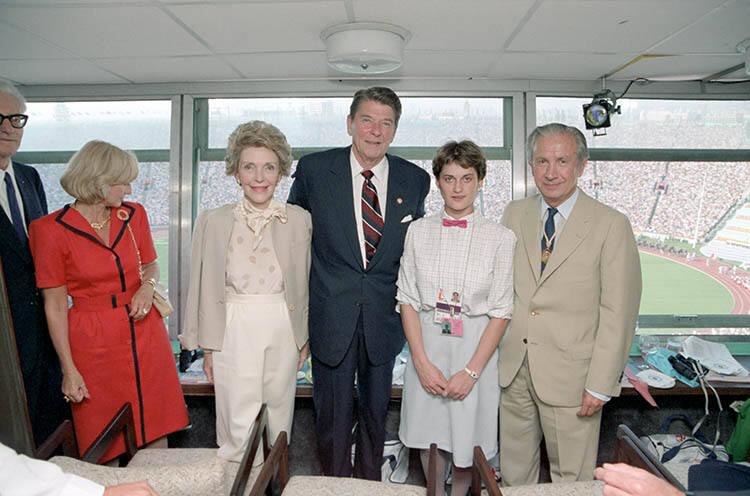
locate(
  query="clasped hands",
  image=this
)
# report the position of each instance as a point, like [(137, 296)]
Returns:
[(434, 382)]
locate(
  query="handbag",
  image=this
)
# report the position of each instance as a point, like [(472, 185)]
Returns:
[(161, 302)]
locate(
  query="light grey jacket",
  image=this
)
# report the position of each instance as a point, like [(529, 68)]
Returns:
[(205, 311)]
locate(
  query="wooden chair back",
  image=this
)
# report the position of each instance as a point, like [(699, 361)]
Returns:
[(482, 472), (122, 423), (15, 429), (63, 436), (631, 450)]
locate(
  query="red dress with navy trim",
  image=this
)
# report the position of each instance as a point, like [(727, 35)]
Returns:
[(121, 360)]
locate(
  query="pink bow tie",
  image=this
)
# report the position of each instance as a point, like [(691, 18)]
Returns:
[(454, 223)]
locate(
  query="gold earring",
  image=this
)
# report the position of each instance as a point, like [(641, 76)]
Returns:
[(239, 183)]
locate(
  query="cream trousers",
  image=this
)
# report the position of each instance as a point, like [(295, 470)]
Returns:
[(257, 364)]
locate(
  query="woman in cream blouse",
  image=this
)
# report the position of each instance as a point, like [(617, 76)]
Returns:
[(462, 264), (248, 296)]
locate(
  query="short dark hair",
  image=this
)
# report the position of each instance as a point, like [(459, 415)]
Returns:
[(465, 153), (379, 94)]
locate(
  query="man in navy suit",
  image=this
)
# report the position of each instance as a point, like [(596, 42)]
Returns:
[(22, 199), (362, 201)]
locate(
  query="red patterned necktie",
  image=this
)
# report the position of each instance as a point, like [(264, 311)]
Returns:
[(372, 220), (454, 223)]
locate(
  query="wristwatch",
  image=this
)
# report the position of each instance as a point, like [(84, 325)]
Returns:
[(471, 373)]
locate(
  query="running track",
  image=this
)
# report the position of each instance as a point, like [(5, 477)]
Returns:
[(740, 294)]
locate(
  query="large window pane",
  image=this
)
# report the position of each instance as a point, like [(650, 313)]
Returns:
[(701, 124), (691, 221), (66, 126), (321, 122), (433, 121)]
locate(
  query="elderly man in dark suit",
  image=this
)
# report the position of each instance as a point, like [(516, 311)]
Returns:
[(362, 201), (22, 199)]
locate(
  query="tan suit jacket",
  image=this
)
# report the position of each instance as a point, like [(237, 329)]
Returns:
[(576, 320), (205, 313)]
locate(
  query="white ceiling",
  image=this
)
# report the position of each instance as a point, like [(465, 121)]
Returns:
[(177, 41)]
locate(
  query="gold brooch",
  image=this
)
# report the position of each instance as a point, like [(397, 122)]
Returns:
[(122, 214)]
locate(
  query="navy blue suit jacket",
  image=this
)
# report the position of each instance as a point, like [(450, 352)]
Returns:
[(39, 363), (340, 286), (25, 302)]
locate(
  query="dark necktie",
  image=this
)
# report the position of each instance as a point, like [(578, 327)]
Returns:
[(15, 212), (549, 236), (372, 220)]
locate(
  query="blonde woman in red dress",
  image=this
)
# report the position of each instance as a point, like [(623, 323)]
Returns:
[(112, 343)]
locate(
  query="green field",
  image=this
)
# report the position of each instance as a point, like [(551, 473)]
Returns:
[(673, 288)]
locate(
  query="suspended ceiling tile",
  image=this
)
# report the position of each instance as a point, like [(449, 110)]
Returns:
[(468, 64), (19, 44), (569, 66), (718, 32), (607, 26), (280, 65), (55, 72), (679, 67), (170, 69), (261, 27), (107, 31), (448, 24)]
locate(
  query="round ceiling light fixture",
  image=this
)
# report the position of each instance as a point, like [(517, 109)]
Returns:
[(365, 47)]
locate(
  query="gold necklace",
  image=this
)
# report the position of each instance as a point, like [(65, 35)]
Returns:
[(99, 225), (94, 225)]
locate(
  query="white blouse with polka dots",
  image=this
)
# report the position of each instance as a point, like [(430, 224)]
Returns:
[(252, 271)]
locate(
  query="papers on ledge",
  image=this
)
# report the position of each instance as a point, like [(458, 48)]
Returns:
[(716, 357)]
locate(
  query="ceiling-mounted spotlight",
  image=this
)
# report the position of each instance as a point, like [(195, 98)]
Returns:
[(597, 114), (365, 47), (744, 47), (603, 106)]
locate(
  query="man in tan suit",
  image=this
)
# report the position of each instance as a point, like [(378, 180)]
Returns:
[(577, 283)]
